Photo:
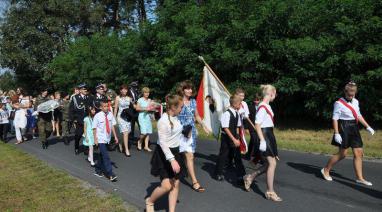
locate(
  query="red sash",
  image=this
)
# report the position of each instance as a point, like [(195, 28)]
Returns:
[(350, 108), (267, 110)]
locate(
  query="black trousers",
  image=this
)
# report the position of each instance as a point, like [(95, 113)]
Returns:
[(4, 132), (78, 135), (224, 156)]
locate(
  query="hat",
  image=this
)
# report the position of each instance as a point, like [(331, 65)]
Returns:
[(82, 85), (99, 86), (134, 84)]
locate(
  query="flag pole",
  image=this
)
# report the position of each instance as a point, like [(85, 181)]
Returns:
[(249, 121)]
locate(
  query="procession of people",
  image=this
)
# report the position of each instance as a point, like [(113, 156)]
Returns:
[(98, 121)]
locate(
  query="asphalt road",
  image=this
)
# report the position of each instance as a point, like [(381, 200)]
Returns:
[(298, 181)]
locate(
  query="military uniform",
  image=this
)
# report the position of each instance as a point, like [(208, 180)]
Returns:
[(77, 112), (65, 104), (44, 122), (96, 101)]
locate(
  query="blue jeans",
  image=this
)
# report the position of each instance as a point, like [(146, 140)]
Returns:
[(104, 162)]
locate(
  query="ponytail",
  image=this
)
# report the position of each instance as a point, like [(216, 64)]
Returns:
[(171, 101)]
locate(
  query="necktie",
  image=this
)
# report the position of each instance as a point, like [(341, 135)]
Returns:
[(107, 124)]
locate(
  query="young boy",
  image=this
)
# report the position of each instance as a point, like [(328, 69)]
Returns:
[(230, 123), (4, 121), (103, 124)]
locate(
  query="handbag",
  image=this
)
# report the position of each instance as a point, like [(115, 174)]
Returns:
[(186, 130), (12, 115)]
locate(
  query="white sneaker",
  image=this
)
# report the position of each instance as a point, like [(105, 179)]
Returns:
[(326, 177), (92, 163), (364, 182)]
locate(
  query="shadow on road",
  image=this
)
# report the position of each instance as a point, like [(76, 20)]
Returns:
[(315, 170), (160, 204)]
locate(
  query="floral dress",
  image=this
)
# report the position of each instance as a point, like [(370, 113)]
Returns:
[(123, 103), (187, 117)]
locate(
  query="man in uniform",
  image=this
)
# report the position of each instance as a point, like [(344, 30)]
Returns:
[(65, 117), (99, 97), (44, 122), (77, 113)]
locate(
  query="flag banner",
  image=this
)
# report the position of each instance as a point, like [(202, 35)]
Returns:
[(212, 101), (243, 141)]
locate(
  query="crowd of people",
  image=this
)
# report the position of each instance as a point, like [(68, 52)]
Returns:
[(100, 119)]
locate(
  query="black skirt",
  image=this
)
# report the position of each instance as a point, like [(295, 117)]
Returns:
[(271, 142), (162, 167), (349, 132)]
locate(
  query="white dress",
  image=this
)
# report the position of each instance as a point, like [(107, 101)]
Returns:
[(123, 125), (21, 115)]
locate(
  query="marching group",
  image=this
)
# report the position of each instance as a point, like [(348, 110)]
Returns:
[(105, 116)]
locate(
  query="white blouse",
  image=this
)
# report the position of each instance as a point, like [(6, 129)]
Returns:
[(340, 111), (244, 111), (263, 118), (167, 137), (226, 116)]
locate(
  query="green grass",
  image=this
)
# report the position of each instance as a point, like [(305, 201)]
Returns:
[(28, 184)]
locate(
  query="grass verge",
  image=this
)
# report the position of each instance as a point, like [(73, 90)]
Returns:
[(28, 184)]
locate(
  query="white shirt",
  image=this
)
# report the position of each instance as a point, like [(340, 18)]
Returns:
[(340, 111), (244, 111), (263, 118), (100, 124), (4, 117), (224, 120), (167, 137)]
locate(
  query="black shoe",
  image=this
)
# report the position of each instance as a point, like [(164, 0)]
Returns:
[(113, 178), (76, 151), (44, 146), (219, 177), (240, 182)]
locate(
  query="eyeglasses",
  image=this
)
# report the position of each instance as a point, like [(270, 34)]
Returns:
[(352, 83)]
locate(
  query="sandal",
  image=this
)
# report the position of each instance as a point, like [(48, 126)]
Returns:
[(247, 182), (149, 206), (273, 196), (200, 189)]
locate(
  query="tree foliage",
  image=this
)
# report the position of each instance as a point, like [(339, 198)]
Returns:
[(308, 49)]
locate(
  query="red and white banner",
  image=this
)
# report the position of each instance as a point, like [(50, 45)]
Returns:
[(212, 101)]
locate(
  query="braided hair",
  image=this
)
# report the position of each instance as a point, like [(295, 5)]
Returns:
[(171, 101)]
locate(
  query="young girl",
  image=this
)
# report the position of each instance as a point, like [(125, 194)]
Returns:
[(264, 128), (88, 139), (346, 115), (31, 119), (57, 114), (4, 121), (166, 159)]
